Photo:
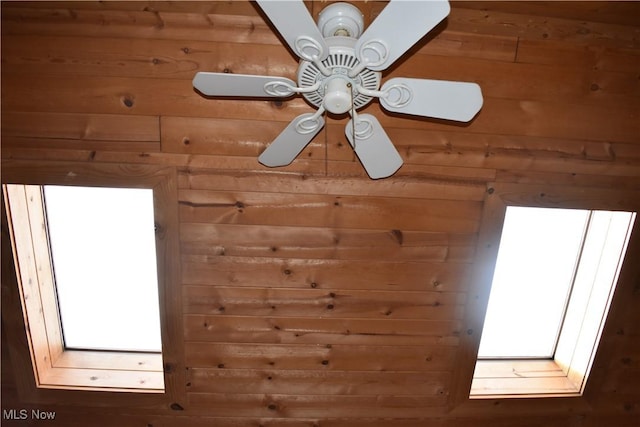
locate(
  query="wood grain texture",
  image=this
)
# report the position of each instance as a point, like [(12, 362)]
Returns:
[(309, 295)]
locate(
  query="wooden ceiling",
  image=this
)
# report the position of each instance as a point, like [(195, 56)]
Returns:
[(312, 295)]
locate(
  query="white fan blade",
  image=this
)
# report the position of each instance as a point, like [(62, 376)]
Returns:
[(373, 147), (292, 140), (440, 99), (297, 27), (398, 27), (227, 84)]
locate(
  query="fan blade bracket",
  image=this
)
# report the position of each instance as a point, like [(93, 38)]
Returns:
[(279, 89), (373, 53), (309, 49), (292, 140), (397, 95), (228, 84), (440, 99), (373, 147)]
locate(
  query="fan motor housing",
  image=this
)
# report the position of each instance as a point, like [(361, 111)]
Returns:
[(340, 62)]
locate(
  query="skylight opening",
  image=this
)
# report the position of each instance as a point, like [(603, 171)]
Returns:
[(103, 253), (538, 255), (555, 275)]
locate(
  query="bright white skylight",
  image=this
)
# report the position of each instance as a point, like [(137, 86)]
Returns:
[(103, 251), (537, 258), (554, 268)]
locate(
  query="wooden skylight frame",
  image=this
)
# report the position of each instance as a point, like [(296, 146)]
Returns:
[(89, 371), (55, 365), (498, 197), (565, 372)]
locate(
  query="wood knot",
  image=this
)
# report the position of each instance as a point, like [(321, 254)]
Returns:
[(397, 234), (176, 407)]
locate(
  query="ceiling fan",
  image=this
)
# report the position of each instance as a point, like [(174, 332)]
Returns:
[(340, 72)]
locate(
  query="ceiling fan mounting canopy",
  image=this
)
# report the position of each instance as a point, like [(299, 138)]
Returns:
[(340, 72), (341, 19)]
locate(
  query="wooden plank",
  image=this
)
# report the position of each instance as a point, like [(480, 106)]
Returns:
[(146, 22), (237, 7), (145, 58), (322, 243), (318, 383), (116, 95), (28, 275), (470, 45), (517, 369), (327, 274), (179, 25), (569, 179), (318, 357), (287, 330), (341, 406), (172, 59), (524, 26), (229, 163), (621, 13), (80, 131), (446, 156), (98, 127), (100, 379), (550, 386), (61, 173), (585, 57), (339, 211), (569, 197), (318, 303), (192, 135), (72, 145), (512, 152), (456, 149), (446, 183), (110, 361)]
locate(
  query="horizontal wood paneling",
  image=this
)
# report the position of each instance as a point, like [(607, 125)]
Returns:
[(291, 330), (336, 211), (322, 382), (121, 95), (313, 296), (325, 274), (319, 357), (80, 131), (318, 242), (320, 303), (301, 406)]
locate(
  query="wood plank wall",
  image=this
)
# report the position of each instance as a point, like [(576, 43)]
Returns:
[(313, 296)]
